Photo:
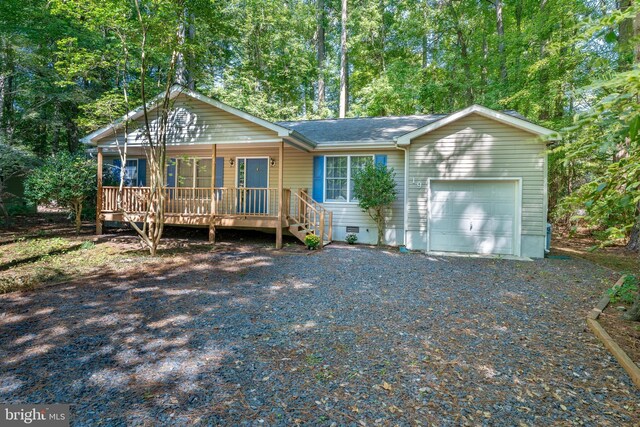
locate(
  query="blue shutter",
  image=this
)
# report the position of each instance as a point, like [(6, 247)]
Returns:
[(381, 159), (318, 179), (142, 172), (219, 182), (117, 166), (171, 173)]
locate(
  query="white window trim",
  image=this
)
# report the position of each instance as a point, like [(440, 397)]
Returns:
[(324, 178), (193, 171)]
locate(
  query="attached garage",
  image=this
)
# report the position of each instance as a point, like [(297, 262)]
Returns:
[(474, 216), (476, 182)]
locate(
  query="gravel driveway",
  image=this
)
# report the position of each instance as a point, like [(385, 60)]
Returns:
[(350, 335)]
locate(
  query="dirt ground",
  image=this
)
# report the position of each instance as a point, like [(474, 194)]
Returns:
[(242, 334)]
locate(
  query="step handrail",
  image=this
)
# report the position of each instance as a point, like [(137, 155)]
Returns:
[(315, 218)]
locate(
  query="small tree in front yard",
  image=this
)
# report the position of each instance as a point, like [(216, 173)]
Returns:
[(15, 162), (374, 186), (65, 179)]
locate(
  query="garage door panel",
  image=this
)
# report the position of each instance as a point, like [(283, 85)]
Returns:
[(489, 244), (473, 216), (456, 224)]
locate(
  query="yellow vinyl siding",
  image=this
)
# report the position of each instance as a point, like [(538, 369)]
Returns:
[(298, 173), (199, 123), (477, 147)]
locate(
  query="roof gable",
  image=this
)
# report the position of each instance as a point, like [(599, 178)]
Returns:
[(177, 91), (507, 119)]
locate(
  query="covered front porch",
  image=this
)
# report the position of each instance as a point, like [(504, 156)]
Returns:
[(253, 202), (224, 168)]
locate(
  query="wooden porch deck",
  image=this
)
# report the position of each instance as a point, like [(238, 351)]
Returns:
[(221, 207)]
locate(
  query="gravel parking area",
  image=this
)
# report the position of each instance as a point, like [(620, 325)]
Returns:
[(349, 335)]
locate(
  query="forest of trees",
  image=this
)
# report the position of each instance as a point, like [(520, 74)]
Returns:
[(70, 66)]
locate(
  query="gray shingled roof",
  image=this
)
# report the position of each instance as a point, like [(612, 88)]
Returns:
[(364, 129)]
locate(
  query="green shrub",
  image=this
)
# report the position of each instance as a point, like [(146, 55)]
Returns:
[(68, 180), (312, 241), (351, 238), (626, 292), (374, 186)]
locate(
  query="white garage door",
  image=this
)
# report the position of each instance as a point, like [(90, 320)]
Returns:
[(473, 216)]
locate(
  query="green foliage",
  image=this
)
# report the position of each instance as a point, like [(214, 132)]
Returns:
[(626, 292), (312, 241), (374, 186), (603, 146), (351, 238), (66, 180), (15, 163)]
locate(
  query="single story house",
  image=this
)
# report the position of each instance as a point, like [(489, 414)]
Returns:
[(474, 181)]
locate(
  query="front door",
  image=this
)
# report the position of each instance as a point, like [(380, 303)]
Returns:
[(253, 180)]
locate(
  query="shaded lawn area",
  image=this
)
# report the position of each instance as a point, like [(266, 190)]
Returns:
[(42, 250), (244, 334), (615, 257)]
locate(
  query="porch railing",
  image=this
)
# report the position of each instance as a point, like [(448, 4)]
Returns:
[(312, 215), (260, 202)]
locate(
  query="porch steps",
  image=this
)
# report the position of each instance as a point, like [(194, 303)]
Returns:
[(301, 230), (306, 216)]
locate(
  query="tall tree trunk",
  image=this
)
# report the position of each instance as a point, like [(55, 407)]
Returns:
[(3, 88), (191, 61), (186, 61), (466, 64), (500, 31), (7, 70), (543, 42), (320, 44), (629, 29), (383, 36), (518, 13), (344, 72), (485, 58)]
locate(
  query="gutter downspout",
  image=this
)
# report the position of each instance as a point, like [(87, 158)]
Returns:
[(406, 193)]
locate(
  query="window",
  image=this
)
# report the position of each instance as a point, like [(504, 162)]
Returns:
[(337, 176), (184, 170), (193, 173), (203, 173), (130, 173), (339, 171)]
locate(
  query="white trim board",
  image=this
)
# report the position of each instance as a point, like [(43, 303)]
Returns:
[(517, 239), (485, 112)]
